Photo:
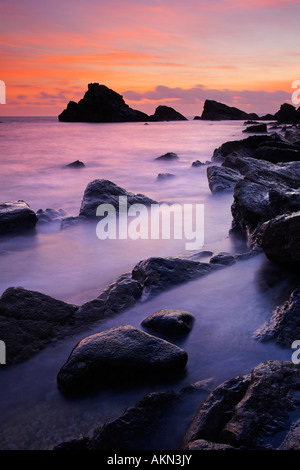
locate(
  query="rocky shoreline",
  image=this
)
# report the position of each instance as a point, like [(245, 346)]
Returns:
[(263, 174)]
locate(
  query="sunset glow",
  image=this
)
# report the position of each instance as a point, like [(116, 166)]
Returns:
[(243, 53)]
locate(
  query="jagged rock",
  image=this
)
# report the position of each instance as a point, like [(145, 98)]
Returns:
[(76, 164), (122, 353), (280, 238), (101, 104), (16, 217), (223, 258), (244, 411), (292, 440), (221, 179), (258, 128), (170, 322), (287, 114), (284, 325), (169, 156), (166, 113), (30, 320), (102, 191), (50, 215), (215, 111), (197, 163)]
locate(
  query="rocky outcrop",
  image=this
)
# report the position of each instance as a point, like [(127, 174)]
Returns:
[(215, 111), (257, 129), (102, 191), (122, 353), (46, 216), (288, 114), (16, 217), (166, 113), (30, 320), (170, 322), (101, 104), (221, 179), (284, 325), (76, 164), (244, 412)]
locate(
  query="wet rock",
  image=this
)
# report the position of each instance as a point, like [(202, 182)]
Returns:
[(76, 164), (197, 163), (245, 411), (292, 440), (169, 156), (215, 111), (223, 258), (278, 153), (102, 191), (259, 128), (166, 113), (170, 322), (30, 320), (130, 431), (243, 148), (280, 238), (202, 444), (164, 176), (221, 179), (284, 325), (46, 216), (158, 274), (122, 353), (16, 217), (101, 104)]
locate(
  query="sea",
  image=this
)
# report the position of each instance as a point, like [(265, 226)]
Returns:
[(72, 264)]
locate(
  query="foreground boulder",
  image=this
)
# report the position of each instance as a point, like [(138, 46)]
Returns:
[(215, 111), (257, 128), (280, 238), (16, 217), (170, 322), (221, 179), (30, 320), (246, 411), (122, 353), (101, 104), (102, 191), (284, 325)]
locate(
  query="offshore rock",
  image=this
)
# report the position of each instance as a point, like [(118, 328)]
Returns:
[(16, 217)]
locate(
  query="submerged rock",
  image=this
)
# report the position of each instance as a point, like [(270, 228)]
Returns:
[(244, 411), (164, 176), (122, 353), (30, 320), (102, 191), (16, 217), (169, 156), (76, 164), (171, 322)]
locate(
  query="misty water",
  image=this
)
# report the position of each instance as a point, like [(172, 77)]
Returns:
[(75, 266)]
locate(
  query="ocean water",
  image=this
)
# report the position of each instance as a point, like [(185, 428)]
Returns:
[(75, 266)]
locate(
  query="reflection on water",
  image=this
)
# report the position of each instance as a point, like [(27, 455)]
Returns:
[(74, 265)]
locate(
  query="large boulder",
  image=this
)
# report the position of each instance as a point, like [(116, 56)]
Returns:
[(246, 411), (221, 179), (215, 111), (280, 238), (101, 104), (16, 217), (166, 113), (30, 320), (170, 322), (257, 128), (102, 191), (122, 353), (288, 114)]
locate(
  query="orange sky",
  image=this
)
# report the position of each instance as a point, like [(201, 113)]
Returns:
[(244, 53)]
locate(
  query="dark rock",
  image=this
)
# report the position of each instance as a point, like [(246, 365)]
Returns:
[(259, 128), (101, 104), (120, 354), (276, 154), (30, 320), (284, 325), (221, 179), (215, 111), (284, 201), (170, 322), (166, 113), (280, 238), (223, 258), (158, 274), (287, 114), (50, 215), (164, 176), (268, 117), (202, 444), (197, 163), (16, 217), (106, 192), (197, 118), (169, 156), (130, 431), (76, 164), (250, 122), (243, 412), (292, 440)]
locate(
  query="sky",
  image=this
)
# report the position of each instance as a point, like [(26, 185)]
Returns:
[(172, 52)]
